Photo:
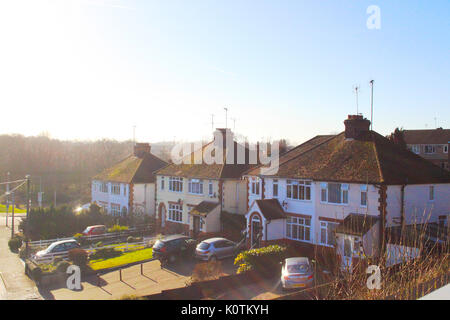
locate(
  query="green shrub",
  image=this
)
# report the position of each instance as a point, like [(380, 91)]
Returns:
[(117, 228), (105, 253), (62, 266), (98, 244), (265, 261), (131, 239), (79, 257), (15, 243), (22, 253), (81, 239)]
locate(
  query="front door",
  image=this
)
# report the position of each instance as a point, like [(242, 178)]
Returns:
[(347, 252), (256, 230), (196, 226)]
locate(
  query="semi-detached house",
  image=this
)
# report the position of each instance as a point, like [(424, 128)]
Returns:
[(129, 185), (191, 197), (342, 192)]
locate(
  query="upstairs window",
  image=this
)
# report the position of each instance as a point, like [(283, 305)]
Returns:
[(415, 148), (210, 188), (334, 193), (254, 188), (163, 181), (103, 187), (275, 188), (195, 186), (431, 193), (430, 149), (176, 184), (364, 196), (298, 190), (115, 188)]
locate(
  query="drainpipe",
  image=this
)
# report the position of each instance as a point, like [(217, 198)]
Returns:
[(265, 233), (402, 208)]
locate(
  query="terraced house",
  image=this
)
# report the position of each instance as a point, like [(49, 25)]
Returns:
[(341, 192), (128, 185), (193, 198)]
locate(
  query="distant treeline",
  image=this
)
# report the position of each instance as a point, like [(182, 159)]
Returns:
[(62, 166)]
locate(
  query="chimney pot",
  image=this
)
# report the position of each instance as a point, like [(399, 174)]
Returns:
[(140, 149)]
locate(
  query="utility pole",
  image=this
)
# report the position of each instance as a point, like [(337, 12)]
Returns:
[(28, 211), (7, 198), (371, 104), (12, 214), (356, 93)]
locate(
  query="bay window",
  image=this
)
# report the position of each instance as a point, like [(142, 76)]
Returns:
[(175, 212), (298, 190), (298, 228), (176, 184)]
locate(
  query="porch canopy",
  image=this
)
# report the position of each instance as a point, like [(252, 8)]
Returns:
[(356, 224), (203, 208)]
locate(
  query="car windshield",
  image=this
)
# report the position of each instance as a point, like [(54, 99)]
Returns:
[(203, 246), (158, 245), (86, 230), (298, 268)]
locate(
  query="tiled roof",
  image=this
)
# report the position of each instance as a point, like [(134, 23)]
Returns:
[(204, 208), (371, 158), (434, 136), (294, 152), (204, 170), (271, 209), (133, 170), (356, 224)]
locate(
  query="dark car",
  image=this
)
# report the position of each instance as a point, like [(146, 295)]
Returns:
[(174, 247)]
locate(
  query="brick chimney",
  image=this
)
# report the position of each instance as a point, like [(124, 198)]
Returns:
[(355, 125), (140, 149)]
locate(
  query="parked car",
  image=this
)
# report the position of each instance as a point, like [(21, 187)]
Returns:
[(297, 273), (216, 248), (56, 249), (94, 230), (173, 247)]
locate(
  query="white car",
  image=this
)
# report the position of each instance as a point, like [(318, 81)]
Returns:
[(56, 249)]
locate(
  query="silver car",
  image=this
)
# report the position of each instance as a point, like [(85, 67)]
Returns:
[(56, 249), (215, 248), (297, 273)]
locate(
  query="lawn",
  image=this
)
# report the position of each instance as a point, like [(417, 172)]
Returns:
[(16, 210), (125, 258)]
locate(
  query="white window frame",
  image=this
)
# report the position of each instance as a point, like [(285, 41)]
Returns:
[(103, 187), (432, 146), (163, 180), (175, 213), (415, 148), (115, 210), (275, 186), (115, 189), (344, 194), (255, 187), (176, 184), (324, 226), (431, 193), (363, 191), (210, 188), (298, 223), (290, 187), (195, 186)]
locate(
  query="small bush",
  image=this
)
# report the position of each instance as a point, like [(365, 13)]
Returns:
[(15, 243), (98, 244), (131, 239), (265, 261), (207, 271), (80, 239), (117, 228), (57, 260), (105, 253), (62, 266), (22, 253), (79, 257)]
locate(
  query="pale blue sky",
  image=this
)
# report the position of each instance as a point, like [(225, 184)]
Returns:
[(88, 69)]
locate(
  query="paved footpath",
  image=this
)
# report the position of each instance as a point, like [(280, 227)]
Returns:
[(14, 284)]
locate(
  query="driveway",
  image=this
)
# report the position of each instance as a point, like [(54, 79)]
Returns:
[(153, 280)]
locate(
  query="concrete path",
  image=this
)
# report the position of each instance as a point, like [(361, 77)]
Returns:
[(14, 284)]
